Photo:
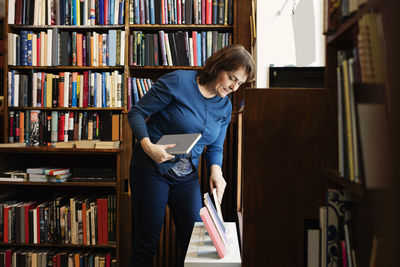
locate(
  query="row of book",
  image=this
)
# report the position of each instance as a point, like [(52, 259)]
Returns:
[(181, 12), (65, 89), (54, 48), (46, 128), (180, 48), (54, 175), (137, 88), (63, 220), (336, 11), (66, 12), (331, 241), (61, 258)]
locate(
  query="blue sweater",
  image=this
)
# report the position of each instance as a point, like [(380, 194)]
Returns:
[(175, 105)]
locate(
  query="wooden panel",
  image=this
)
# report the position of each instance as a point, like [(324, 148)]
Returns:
[(286, 149)]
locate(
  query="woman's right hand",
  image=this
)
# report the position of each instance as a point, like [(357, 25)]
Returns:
[(156, 152)]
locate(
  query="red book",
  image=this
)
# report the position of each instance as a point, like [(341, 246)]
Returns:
[(5, 223), (61, 90), (38, 50), (27, 207), (38, 223), (8, 260), (203, 12), (179, 11), (194, 38), (61, 125), (18, 12), (208, 11), (213, 232), (85, 242), (106, 11), (85, 88), (79, 56), (99, 222)]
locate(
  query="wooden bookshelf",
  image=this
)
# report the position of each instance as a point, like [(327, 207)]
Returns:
[(119, 159), (374, 215)]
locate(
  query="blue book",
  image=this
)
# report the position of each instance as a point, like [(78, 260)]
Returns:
[(95, 89), (74, 92), (111, 4), (103, 87), (62, 12), (135, 91), (121, 12), (44, 89), (112, 44), (142, 85), (136, 11), (12, 87), (199, 62), (203, 47), (73, 12), (101, 12), (29, 46), (152, 15), (24, 48)]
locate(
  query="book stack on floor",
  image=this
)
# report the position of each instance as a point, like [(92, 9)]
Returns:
[(54, 175)]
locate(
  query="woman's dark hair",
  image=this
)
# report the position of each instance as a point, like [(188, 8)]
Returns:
[(229, 58)]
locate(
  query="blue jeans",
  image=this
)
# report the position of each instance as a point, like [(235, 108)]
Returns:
[(151, 192)]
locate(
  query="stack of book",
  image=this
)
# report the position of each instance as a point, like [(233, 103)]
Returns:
[(54, 175)]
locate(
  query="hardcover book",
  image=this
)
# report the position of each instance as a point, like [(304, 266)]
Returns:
[(212, 231), (184, 142)]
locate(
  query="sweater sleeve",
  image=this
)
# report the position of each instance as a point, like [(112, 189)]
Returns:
[(157, 98), (215, 151)]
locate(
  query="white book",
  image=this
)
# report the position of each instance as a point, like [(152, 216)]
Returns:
[(191, 52), (122, 57), (34, 90), (80, 83), (49, 4), (49, 47), (34, 49), (35, 237), (184, 142), (16, 90), (11, 12), (168, 50), (67, 77)]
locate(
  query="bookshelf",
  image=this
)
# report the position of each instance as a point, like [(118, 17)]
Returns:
[(373, 92), (238, 31)]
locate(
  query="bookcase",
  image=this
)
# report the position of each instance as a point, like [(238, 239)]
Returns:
[(124, 67), (363, 91), (291, 156)]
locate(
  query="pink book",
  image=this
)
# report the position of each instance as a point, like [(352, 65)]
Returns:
[(213, 232), (344, 255)]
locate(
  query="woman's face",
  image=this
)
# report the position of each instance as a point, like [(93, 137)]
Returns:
[(229, 81)]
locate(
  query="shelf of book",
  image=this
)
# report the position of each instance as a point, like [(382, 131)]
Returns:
[(19, 245), (361, 53), (62, 184), (345, 28), (181, 27)]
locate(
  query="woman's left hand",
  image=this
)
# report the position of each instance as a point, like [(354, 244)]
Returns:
[(217, 181)]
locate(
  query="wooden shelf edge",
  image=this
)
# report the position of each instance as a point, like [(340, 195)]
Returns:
[(336, 179), (63, 108), (78, 27), (29, 149), (109, 246), (180, 26), (77, 68), (78, 184)]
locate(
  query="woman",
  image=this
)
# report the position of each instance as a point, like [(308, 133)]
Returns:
[(182, 101)]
